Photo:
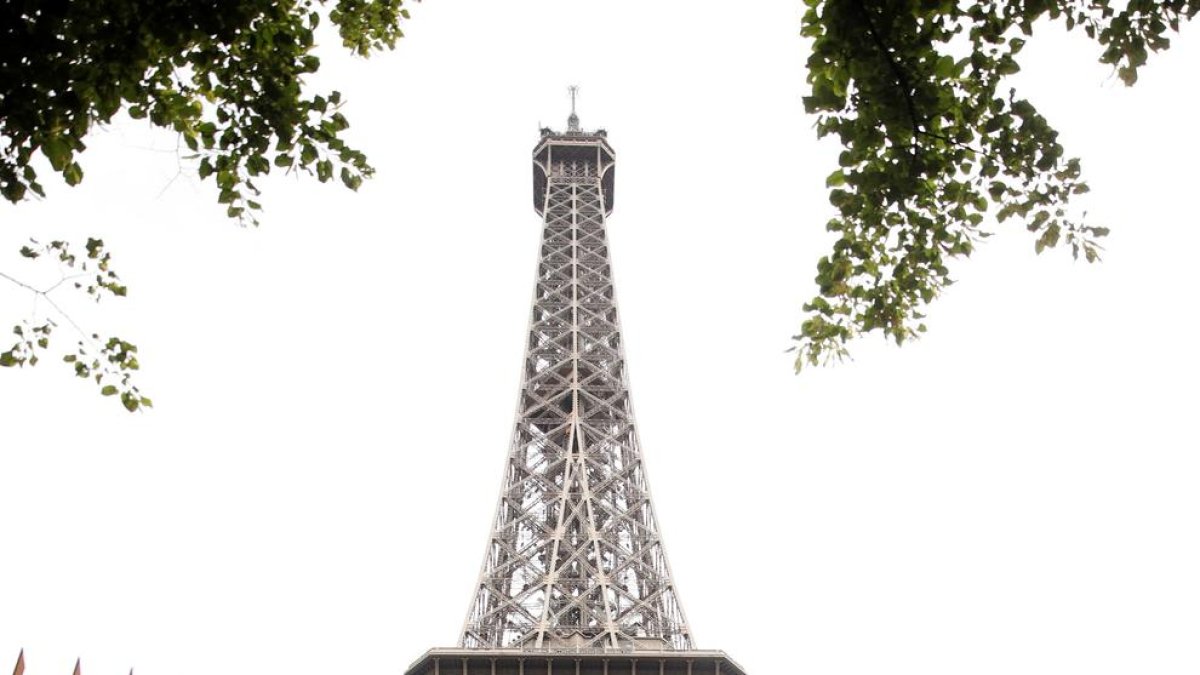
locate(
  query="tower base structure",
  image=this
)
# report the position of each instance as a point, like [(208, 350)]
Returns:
[(584, 661)]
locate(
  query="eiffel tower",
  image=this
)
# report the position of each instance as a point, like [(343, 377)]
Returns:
[(575, 580)]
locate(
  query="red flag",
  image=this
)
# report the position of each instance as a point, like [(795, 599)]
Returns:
[(20, 669)]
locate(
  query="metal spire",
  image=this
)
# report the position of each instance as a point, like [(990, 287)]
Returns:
[(573, 120)]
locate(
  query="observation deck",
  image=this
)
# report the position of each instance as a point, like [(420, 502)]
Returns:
[(573, 156)]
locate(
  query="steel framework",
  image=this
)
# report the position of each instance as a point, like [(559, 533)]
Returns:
[(575, 560)]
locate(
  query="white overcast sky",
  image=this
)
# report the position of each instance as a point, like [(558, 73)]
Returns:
[(1017, 492)]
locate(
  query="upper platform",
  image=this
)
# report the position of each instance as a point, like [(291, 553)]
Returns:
[(573, 155)]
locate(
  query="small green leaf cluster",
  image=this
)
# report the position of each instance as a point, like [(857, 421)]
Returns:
[(110, 362), (30, 339), (112, 369), (933, 146), (227, 76), (366, 26)]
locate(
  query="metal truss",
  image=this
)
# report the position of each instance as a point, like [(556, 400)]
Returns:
[(575, 560)]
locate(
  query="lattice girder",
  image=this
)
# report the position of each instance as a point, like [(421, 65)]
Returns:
[(575, 558)]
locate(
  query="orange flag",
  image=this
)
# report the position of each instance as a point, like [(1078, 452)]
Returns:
[(20, 669)]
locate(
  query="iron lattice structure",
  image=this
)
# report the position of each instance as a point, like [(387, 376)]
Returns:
[(575, 559)]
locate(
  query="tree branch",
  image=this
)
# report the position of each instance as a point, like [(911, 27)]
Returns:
[(45, 294), (905, 86), (22, 284)]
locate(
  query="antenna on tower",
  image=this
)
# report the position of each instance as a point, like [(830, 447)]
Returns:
[(573, 120)]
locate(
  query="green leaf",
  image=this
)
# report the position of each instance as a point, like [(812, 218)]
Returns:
[(108, 390), (58, 151), (350, 179), (308, 154), (944, 69), (73, 173), (1006, 66)]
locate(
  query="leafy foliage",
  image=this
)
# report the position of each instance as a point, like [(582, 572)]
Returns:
[(934, 146), (110, 362), (226, 76)]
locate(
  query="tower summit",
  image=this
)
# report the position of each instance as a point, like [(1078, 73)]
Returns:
[(575, 579), (573, 119)]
